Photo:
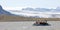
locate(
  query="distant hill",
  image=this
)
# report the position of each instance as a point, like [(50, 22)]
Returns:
[(2, 11)]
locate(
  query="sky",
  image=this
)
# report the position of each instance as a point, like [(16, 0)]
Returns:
[(18, 4)]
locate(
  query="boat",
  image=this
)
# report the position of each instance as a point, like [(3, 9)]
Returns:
[(41, 23)]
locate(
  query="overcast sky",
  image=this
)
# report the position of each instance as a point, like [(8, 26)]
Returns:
[(17, 4)]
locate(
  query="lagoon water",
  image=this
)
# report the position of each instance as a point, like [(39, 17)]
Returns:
[(28, 25)]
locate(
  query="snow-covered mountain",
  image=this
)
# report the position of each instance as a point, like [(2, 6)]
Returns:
[(42, 9), (57, 9), (37, 9), (38, 12), (34, 12)]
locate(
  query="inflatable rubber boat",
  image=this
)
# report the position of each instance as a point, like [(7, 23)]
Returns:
[(41, 23)]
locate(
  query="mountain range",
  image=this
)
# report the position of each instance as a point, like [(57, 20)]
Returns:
[(39, 12), (42, 9), (34, 12)]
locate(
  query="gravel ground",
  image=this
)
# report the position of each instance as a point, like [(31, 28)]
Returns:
[(28, 25)]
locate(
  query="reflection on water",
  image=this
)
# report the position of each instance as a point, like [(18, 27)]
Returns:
[(28, 25)]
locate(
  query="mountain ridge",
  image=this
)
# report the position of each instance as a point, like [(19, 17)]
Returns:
[(2, 11)]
